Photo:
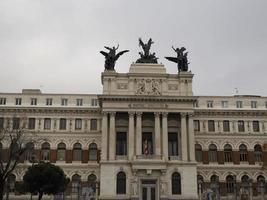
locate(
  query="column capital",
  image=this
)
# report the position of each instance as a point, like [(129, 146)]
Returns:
[(190, 114), (164, 114), (183, 114), (156, 114), (112, 113), (139, 114), (104, 113), (131, 113)]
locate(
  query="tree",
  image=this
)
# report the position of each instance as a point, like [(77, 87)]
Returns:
[(45, 178), (9, 159)]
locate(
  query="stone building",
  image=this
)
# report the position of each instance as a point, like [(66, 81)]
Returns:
[(146, 137)]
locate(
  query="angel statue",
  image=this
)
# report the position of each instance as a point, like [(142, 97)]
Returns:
[(111, 57), (146, 56), (180, 59)]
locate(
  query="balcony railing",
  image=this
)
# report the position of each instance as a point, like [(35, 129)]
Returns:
[(149, 156)]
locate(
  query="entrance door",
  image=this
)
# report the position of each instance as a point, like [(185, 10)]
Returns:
[(148, 190)]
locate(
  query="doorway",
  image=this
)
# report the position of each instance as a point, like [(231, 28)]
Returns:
[(149, 190)]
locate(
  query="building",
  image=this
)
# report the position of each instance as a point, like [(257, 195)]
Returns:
[(147, 137)]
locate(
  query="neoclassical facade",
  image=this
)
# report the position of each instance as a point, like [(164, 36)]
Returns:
[(146, 137)]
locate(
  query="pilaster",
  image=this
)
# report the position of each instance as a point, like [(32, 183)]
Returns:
[(138, 133), (131, 135), (184, 137), (157, 133), (104, 146), (165, 135), (112, 136)]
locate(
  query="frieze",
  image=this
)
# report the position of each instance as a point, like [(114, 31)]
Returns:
[(147, 105), (148, 87), (122, 86), (173, 87)]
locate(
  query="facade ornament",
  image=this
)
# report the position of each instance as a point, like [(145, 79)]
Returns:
[(148, 87), (146, 56), (180, 59)]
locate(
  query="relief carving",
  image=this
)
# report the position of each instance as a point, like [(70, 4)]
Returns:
[(148, 87), (122, 86), (173, 87)]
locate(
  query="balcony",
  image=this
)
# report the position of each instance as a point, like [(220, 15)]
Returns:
[(149, 157)]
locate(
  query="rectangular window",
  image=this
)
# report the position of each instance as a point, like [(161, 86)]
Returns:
[(49, 101), (211, 126), (226, 126), (31, 124), (224, 104), (210, 104), (62, 124), (94, 102), (147, 143), (265, 104), (64, 102), (2, 101), (256, 126), (78, 124), (241, 126), (172, 144), (253, 104), (93, 124), (1, 122), (121, 143), (47, 123), (18, 101), (196, 125), (79, 102), (16, 123), (239, 104), (33, 101), (196, 104)]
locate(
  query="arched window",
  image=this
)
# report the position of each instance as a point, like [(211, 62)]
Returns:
[(121, 183), (230, 184), (261, 185), (77, 152), (212, 153), (243, 152), (214, 183), (258, 153), (245, 186), (93, 152), (45, 151), (198, 152), (228, 153), (200, 181), (75, 183), (29, 153), (92, 182), (176, 183), (11, 182), (1, 148), (61, 151)]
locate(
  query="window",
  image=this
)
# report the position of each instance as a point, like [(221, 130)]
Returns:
[(196, 104), (196, 125), (239, 104), (214, 182), (18, 101), (198, 152), (210, 104), (2, 101), (245, 185), (61, 151), (176, 183), (1, 122), (93, 124), (47, 123), (92, 182), (226, 126), (212, 153), (79, 102), (211, 125), (243, 152), (31, 124), (45, 151), (77, 152), (230, 184), (256, 126), (121, 143), (147, 143), (228, 153), (62, 124), (12, 181), (258, 153), (78, 124), (29, 153), (33, 101), (75, 183), (261, 185), (253, 104), (121, 183), (172, 144), (224, 104), (16, 123), (1, 148), (93, 152), (94, 102), (49, 102), (64, 102), (241, 126), (265, 104)]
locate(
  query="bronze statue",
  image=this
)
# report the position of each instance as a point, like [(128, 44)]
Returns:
[(180, 59), (111, 57), (146, 56)]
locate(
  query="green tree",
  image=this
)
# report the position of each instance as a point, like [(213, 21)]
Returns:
[(45, 178)]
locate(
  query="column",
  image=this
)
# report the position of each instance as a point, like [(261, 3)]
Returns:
[(104, 144), (131, 135), (184, 137), (165, 135), (112, 136), (191, 137), (138, 133), (157, 134)]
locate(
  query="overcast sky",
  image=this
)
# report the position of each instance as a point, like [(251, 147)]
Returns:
[(54, 44)]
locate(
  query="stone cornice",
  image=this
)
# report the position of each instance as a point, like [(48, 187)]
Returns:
[(232, 113)]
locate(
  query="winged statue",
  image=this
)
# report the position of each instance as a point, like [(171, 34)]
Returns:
[(180, 59), (146, 56), (111, 57)]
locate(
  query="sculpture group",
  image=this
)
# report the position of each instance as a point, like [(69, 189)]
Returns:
[(146, 56)]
